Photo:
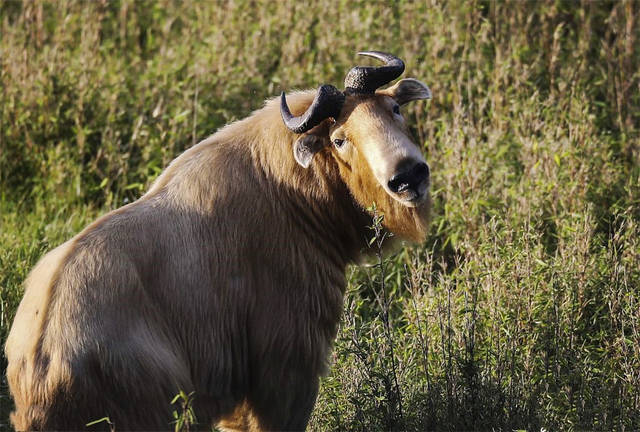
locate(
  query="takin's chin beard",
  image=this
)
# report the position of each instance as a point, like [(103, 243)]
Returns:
[(404, 222)]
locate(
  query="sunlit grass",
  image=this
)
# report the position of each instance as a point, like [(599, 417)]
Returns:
[(522, 309)]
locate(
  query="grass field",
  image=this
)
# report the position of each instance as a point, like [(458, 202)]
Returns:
[(521, 310)]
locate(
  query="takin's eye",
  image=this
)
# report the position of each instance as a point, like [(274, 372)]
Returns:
[(396, 109), (338, 142)]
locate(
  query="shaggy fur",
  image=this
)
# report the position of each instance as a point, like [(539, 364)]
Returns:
[(226, 279)]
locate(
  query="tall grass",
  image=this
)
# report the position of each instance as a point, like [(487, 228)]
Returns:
[(522, 309)]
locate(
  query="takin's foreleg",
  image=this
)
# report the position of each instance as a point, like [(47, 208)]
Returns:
[(285, 403)]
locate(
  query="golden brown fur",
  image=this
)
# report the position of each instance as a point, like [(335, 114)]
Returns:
[(226, 279)]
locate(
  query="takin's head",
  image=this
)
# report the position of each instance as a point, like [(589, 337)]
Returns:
[(367, 133)]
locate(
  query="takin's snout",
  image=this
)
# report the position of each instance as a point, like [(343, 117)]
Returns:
[(410, 182)]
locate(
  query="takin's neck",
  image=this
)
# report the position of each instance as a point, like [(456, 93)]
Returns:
[(257, 153), (315, 196), (252, 159)]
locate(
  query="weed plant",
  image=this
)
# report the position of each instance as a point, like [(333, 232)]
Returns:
[(521, 310)]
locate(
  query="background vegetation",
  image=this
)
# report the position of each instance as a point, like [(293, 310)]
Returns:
[(522, 309)]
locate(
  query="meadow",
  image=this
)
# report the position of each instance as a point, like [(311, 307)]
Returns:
[(521, 311)]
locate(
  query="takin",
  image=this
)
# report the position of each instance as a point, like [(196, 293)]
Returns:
[(227, 278)]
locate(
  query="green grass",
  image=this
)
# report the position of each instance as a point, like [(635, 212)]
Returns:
[(521, 310)]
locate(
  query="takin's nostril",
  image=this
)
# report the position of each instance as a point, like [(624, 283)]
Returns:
[(421, 172), (396, 182), (409, 179)]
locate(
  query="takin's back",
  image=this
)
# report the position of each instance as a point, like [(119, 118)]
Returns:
[(101, 316)]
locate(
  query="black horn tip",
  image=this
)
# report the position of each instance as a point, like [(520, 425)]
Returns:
[(389, 59), (284, 109), (378, 54)]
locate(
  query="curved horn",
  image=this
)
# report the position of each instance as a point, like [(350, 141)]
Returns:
[(327, 103), (361, 79)]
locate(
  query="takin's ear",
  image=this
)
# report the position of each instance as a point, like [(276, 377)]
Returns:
[(407, 90), (310, 143), (306, 147)]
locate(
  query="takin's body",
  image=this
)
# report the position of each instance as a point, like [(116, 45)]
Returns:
[(225, 279)]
